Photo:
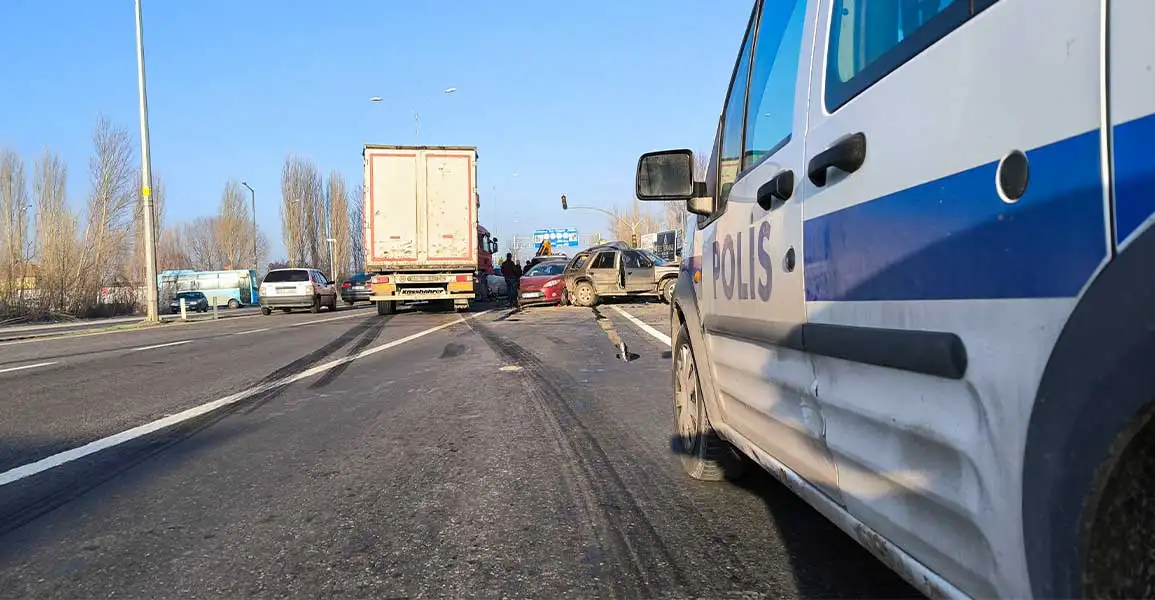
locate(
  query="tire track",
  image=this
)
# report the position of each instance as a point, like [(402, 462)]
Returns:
[(639, 562)]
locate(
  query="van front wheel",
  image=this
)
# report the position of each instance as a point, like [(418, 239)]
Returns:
[(704, 454)]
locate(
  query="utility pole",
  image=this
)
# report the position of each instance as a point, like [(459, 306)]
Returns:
[(253, 196), (152, 312)]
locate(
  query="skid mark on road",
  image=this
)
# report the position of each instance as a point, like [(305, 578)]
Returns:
[(367, 335), (626, 538)]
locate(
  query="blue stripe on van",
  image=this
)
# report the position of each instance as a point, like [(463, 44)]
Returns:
[(954, 238), (1134, 154)]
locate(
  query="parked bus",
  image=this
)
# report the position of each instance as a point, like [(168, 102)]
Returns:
[(234, 289)]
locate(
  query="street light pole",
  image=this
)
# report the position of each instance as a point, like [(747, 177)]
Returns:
[(417, 112), (152, 312), (253, 196)]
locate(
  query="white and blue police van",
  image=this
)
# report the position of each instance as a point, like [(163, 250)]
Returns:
[(919, 284)]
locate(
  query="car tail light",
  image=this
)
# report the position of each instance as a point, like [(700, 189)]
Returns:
[(346, 284)]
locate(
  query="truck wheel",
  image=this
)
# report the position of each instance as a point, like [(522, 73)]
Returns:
[(266, 311), (666, 289), (386, 307), (316, 307), (585, 294), (704, 455)]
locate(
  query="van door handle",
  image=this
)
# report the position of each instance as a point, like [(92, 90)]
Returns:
[(846, 154), (777, 191)]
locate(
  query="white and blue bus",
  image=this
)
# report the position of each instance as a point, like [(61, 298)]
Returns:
[(234, 289)]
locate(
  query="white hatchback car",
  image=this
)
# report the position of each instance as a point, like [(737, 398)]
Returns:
[(921, 288), (287, 289)]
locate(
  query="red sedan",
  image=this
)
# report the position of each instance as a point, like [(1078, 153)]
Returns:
[(543, 284)]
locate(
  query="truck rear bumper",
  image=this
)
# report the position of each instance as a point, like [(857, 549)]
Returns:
[(419, 297)]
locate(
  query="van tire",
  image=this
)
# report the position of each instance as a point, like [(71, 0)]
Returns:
[(705, 456)]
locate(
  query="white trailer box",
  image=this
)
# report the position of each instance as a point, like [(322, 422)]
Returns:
[(420, 223)]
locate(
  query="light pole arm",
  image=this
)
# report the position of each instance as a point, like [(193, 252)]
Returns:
[(631, 224)]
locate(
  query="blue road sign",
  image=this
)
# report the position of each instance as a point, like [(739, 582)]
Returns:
[(559, 239)]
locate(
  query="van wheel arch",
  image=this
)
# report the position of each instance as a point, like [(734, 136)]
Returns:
[(1075, 436)]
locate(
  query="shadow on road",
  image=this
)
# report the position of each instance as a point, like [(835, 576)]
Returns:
[(811, 539)]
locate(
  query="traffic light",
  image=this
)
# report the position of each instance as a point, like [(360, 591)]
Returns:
[(634, 240), (563, 204)]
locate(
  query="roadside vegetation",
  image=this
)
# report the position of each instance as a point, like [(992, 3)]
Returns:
[(68, 254)]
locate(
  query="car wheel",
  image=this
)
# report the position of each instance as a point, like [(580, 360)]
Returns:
[(316, 307), (333, 304), (585, 294), (266, 311), (666, 289), (233, 304), (704, 455)]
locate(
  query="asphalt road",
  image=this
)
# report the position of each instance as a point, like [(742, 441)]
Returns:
[(22, 332), (498, 453)]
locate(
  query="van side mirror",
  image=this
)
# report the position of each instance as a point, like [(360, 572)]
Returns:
[(666, 175)]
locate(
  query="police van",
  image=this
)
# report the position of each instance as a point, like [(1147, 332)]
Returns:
[(919, 284)]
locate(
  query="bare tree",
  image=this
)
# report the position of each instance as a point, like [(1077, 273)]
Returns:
[(635, 219), (170, 249), (56, 228), (110, 208), (301, 199), (202, 243), (339, 211), (356, 220), (234, 236), (701, 165), (13, 229)]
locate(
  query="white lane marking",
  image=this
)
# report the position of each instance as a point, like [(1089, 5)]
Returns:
[(661, 337), (155, 346), (252, 331), (51, 462), (21, 368)]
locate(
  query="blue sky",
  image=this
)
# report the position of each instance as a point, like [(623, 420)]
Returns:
[(565, 94)]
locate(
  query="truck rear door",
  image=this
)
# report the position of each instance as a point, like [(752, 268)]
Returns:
[(391, 205), (449, 204)]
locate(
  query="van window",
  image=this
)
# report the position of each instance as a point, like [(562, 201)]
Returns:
[(869, 39), (770, 116), (729, 163)]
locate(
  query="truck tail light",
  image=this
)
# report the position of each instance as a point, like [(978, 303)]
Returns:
[(463, 278), (381, 279)]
